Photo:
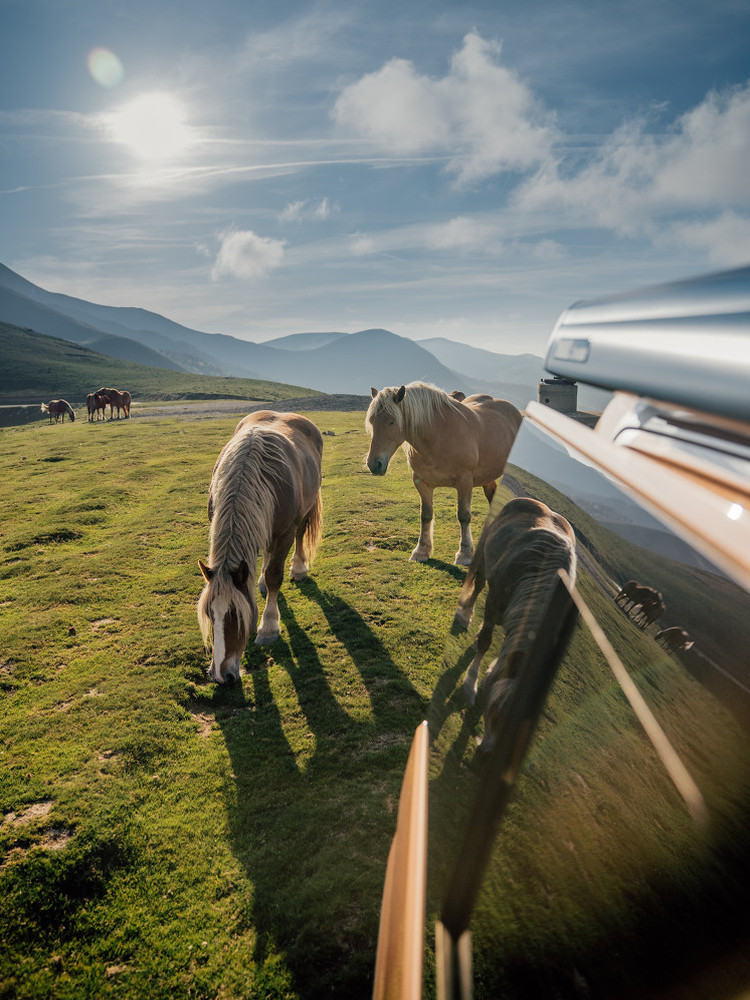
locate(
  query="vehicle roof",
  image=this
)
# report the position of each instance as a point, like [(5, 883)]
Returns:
[(685, 342)]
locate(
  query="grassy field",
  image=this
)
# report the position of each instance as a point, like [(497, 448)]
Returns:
[(166, 838)]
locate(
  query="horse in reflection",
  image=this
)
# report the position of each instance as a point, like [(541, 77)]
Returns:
[(674, 639), (448, 441), (641, 603), (518, 556), (58, 408), (264, 497)]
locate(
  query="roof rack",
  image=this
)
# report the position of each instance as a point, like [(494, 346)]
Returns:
[(685, 342)]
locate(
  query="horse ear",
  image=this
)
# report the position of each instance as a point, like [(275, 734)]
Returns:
[(400, 394), (240, 575), (206, 571), (373, 392)]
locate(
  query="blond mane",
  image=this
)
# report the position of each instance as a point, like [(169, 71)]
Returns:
[(419, 407), (243, 498)]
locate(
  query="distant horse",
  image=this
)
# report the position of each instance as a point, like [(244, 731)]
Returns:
[(264, 496), (674, 639), (518, 555), (646, 600), (116, 399), (91, 405), (58, 408), (447, 442), (100, 404)]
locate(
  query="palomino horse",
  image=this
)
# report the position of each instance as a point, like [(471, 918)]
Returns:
[(264, 496), (448, 441), (518, 556), (116, 399), (96, 404), (58, 408)]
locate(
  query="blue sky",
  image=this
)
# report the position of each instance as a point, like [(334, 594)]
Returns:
[(464, 170)]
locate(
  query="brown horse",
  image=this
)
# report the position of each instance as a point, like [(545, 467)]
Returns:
[(116, 399), (58, 408), (674, 639), (264, 496), (448, 442), (518, 556)]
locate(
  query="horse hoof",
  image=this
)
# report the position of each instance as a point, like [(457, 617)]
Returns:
[(463, 559), (418, 556), (298, 577), (266, 638), (461, 622)]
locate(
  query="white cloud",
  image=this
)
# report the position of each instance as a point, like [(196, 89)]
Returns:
[(637, 178), (244, 254), (725, 239), (362, 245), (464, 234), (480, 115), (297, 211)]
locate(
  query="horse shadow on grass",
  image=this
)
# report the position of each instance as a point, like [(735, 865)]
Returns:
[(312, 807)]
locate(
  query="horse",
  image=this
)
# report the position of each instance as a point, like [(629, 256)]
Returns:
[(461, 443), (518, 555), (674, 639), (91, 405), (264, 496), (649, 601), (115, 398), (57, 408), (100, 404)]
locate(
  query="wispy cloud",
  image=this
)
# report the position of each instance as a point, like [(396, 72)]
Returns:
[(638, 178), (307, 209), (243, 254), (480, 113)]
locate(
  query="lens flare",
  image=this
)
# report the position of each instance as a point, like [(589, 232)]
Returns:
[(105, 67)]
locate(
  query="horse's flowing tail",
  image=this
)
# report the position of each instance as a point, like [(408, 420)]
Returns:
[(314, 528), (45, 408)]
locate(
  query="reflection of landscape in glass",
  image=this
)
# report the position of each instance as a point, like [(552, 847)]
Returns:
[(599, 881)]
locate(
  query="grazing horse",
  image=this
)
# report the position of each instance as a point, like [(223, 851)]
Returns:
[(116, 399), (264, 496), (518, 555), (58, 408), (448, 441), (647, 600), (674, 639)]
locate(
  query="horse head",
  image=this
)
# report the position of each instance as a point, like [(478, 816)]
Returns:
[(228, 613), (385, 424)]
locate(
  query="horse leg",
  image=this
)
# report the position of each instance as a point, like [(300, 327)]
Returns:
[(423, 551), (269, 627), (472, 588), (481, 645), (463, 510), (489, 490), (300, 566)]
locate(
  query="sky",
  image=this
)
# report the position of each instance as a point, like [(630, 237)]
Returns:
[(439, 169)]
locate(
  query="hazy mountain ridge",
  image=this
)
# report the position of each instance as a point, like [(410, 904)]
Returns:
[(332, 362)]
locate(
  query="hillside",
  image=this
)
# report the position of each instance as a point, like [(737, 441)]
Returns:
[(332, 362), (36, 367)]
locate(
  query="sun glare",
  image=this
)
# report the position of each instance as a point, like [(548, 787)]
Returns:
[(152, 126)]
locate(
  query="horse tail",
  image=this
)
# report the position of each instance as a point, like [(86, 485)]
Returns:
[(45, 408), (314, 528)]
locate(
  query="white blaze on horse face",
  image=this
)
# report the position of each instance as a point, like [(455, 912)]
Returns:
[(223, 661)]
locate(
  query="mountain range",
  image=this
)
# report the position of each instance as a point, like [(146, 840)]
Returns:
[(331, 362)]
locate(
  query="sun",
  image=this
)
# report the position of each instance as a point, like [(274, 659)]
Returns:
[(153, 126)]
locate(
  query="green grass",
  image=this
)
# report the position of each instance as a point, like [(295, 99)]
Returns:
[(37, 368), (222, 842), (167, 838)]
